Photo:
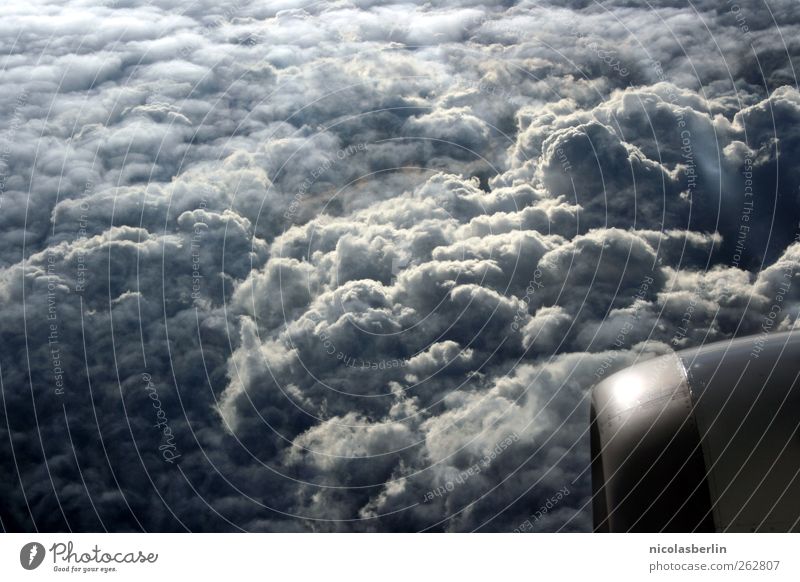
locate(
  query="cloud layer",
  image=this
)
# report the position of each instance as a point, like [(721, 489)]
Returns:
[(351, 265)]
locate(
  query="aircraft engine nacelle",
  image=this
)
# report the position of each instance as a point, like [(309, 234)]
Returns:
[(705, 439)]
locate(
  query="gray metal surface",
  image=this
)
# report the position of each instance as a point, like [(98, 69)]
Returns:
[(701, 440), (747, 407), (648, 467)]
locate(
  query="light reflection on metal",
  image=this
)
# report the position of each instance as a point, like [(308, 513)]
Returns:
[(701, 440)]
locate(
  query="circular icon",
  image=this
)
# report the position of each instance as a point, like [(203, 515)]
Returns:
[(31, 555)]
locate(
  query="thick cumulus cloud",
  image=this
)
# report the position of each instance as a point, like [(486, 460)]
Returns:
[(310, 266)]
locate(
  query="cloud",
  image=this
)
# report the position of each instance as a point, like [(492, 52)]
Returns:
[(355, 266)]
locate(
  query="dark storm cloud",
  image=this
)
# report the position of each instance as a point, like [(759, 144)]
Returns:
[(354, 266)]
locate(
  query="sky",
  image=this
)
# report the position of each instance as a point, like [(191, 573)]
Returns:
[(355, 266)]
